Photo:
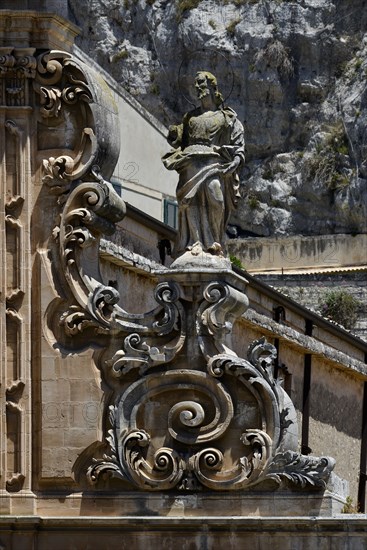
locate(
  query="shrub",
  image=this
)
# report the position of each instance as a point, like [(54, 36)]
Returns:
[(253, 201), (327, 164), (236, 261), (185, 5), (340, 306), (242, 2), (349, 507), (276, 55), (336, 139), (357, 64), (231, 27), (154, 89), (122, 54)]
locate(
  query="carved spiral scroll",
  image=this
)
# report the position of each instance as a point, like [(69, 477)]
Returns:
[(221, 305), (209, 467), (50, 67), (72, 94), (164, 472), (261, 385), (202, 415), (189, 412), (188, 421)]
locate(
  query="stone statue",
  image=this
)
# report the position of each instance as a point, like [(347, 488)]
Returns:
[(208, 151)]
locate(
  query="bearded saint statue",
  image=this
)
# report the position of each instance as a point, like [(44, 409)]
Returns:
[(208, 150)]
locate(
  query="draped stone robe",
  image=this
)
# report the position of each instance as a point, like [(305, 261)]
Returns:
[(204, 145)]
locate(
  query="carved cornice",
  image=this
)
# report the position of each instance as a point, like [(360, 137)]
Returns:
[(17, 67), (35, 28)]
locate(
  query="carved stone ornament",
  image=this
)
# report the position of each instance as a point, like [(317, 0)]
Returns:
[(73, 95), (17, 68), (182, 410), (208, 149)]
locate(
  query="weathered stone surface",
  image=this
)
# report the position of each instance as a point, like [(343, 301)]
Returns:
[(211, 419), (300, 254), (63, 389), (208, 150), (286, 533)]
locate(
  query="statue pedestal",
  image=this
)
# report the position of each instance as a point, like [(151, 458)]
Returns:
[(254, 504)]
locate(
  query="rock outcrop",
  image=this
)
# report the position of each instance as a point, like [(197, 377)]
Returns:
[(295, 72)]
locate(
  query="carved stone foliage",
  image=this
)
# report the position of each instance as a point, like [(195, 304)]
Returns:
[(143, 340), (77, 112), (182, 410)]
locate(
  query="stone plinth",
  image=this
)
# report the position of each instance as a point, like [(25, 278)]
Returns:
[(219, 533), (239, 504)]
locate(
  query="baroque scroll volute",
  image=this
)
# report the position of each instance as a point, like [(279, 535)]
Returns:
[(78, 121), (182, 410)]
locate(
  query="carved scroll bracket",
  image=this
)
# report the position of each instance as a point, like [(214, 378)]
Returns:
[(70, 93), (182, 426)]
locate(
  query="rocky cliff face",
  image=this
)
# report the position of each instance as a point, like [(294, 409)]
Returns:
[(295, 72)]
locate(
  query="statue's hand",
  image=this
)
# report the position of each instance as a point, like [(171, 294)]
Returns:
[(174, 135), (232, 166), (172, 132)]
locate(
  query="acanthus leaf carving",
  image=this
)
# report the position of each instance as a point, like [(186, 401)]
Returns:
[(68, 94), (300, 469), (262, 354), (91, 210), (135, 354), (168, 319), (208, 464), (50, 99), (75, 320)]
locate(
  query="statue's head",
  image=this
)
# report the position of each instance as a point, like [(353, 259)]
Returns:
[(205, 84)]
